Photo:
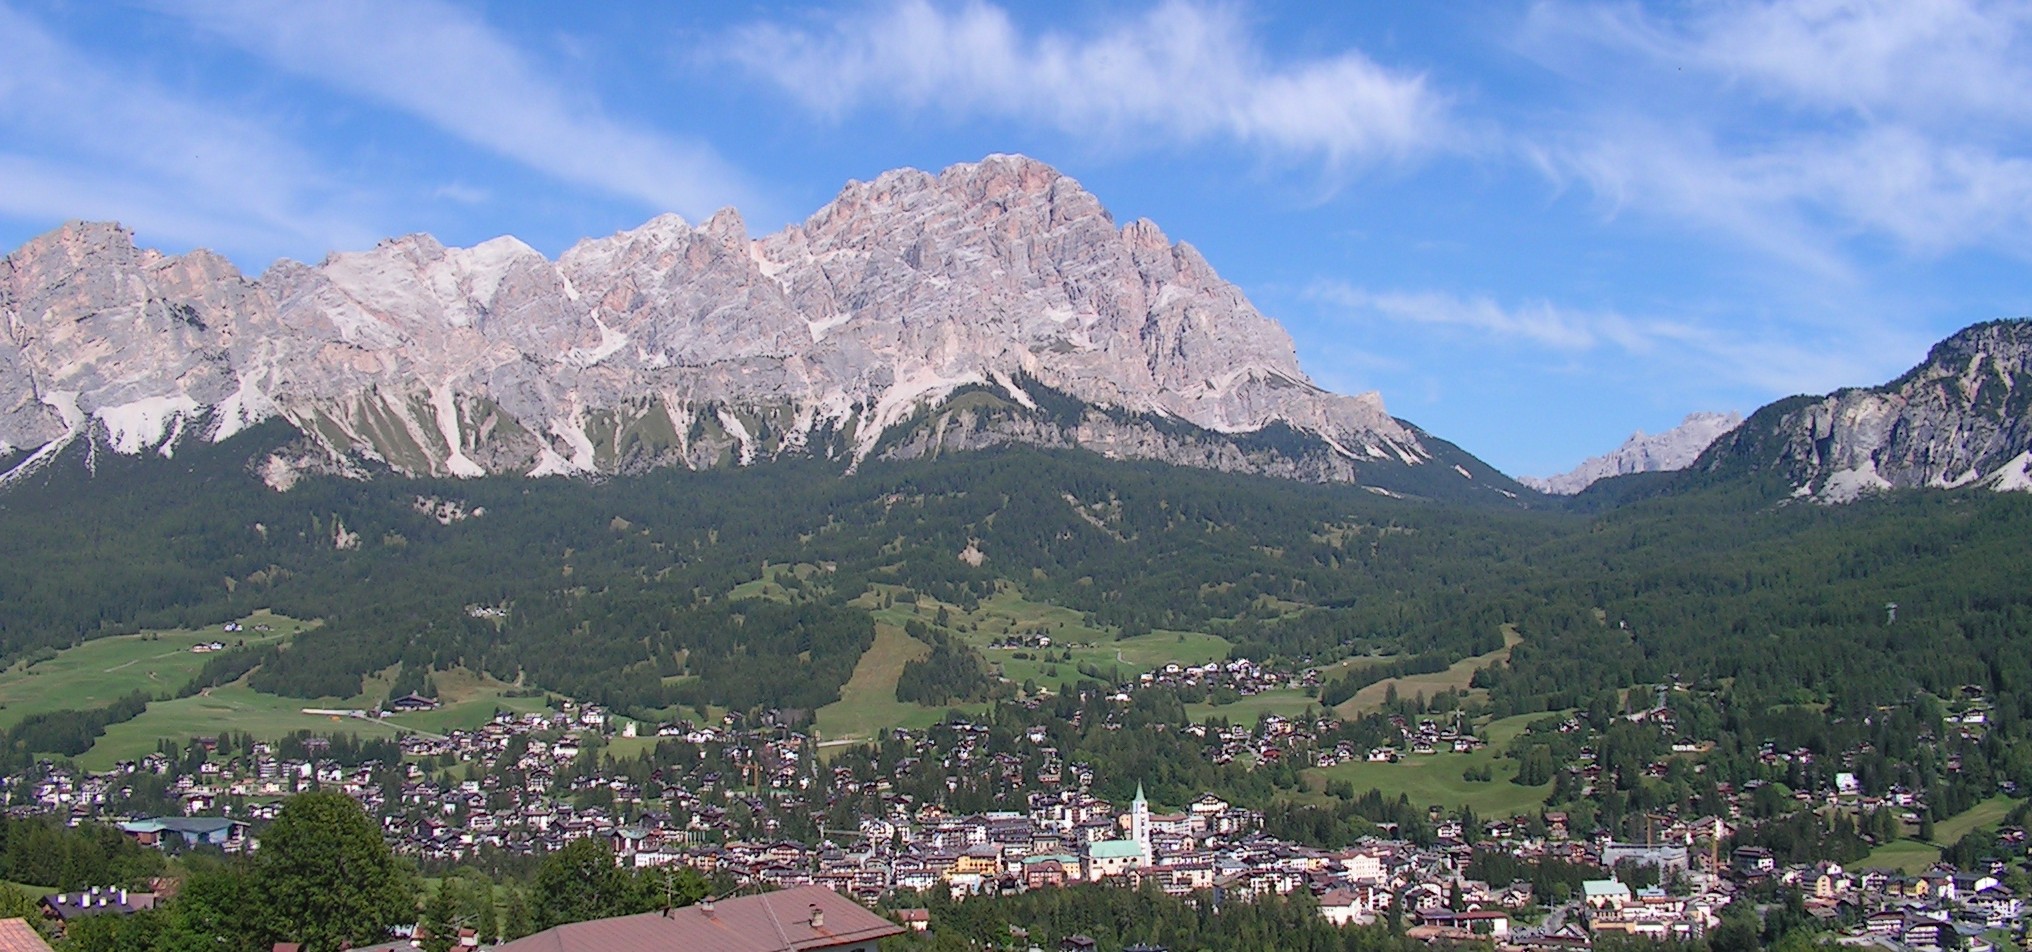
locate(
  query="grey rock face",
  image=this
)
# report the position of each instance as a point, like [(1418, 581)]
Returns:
[(680, 345), (1673, 449), (1957, 419)]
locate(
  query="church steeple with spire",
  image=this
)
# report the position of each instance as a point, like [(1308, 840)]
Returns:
[(1139, 823)]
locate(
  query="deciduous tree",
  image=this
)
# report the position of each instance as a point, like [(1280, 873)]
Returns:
[(325, 878)]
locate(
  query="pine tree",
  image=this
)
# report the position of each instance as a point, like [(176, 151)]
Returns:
[(440, 918), (486, 920), (515, 923)]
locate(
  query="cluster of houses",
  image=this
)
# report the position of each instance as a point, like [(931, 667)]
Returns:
[(1940, 907), (1064, 834), (1241, 675), (528, 788)]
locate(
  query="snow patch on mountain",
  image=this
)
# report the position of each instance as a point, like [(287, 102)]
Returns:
[(244, 408), (1849, 485), (903, 396), (551, 464), (831, 333), (142, 424), (457, 462), (739, 431), (2014, 476), (611, 342)]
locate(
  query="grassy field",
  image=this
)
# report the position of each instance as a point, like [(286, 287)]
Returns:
[(771, 586), (1908, 855), (1453, 678), (867, 703), (1985, 814), (1436, 778), (232, 707), (628, 748), (1915, 854), (1007, 613), (1113, 659), (469, 701), (102, 670), (1287, 701)]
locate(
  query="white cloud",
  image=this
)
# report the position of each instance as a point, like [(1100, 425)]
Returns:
[(1772, 358), (1185, 72), (1539, 323), (462, 193), (87, 140), (1799, 126), (1920, 60), (447, 67)]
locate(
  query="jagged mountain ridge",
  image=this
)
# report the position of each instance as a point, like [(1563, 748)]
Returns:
[(912, 314), (1957, 419), (1673, 449)]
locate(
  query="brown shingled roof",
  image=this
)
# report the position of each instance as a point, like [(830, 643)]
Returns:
[(16, 935), (770, 922)]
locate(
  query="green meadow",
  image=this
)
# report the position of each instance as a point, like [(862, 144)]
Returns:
[(1454, 678), (868, 704), (1914, 854), (103, 670), (1438, 778), (161, 663), (1288, 702)]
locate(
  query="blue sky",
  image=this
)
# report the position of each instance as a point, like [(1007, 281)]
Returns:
[(1534, 228)]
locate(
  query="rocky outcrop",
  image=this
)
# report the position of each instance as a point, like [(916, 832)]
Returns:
[(1957, 419), (1673, 449), (675, 344)]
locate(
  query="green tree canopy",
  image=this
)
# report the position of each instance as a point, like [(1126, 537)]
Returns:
[(581, 882), (324, 877)]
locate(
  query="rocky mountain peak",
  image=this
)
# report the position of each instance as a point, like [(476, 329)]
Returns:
[(1673, 449), (1959, 418), (671, 344)]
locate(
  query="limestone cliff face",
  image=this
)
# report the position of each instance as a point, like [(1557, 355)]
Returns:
[(1673, 449), (675, 344), (1957, 419)]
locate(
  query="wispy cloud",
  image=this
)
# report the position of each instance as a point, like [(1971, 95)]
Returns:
[(1926, 61), (1539, 323), (87, 140), (1771, 358), (1183, 72), (449, 68), (1889, 119)]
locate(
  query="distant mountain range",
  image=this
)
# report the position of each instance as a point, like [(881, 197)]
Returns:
[(994, 303), (1673, 449)]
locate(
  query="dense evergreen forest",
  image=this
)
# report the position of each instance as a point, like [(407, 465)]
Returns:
[(1724, 583), (1117, 918)]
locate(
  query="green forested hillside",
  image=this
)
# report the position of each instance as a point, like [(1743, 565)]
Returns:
[(623, 591)]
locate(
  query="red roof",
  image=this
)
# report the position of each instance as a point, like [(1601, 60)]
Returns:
[(16, 935), (770, 922)]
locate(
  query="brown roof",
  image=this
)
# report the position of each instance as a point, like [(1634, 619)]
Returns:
[(770, 922), (16, 935)]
